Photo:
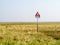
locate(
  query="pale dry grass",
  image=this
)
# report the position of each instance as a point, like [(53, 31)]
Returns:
[(27, 34)]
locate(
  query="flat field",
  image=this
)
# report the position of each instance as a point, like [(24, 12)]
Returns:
[(25, 33)]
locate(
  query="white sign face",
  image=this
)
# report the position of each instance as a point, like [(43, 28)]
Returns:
[(37, 15)]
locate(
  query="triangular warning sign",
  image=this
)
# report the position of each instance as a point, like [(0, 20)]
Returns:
[(37, 15)]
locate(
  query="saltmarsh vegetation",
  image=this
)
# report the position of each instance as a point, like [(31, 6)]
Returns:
[(25, 38), (26, 34)]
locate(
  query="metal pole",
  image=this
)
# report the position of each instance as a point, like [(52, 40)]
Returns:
[(37, 24)]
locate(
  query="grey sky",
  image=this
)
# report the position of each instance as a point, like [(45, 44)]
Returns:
[(24, 10)]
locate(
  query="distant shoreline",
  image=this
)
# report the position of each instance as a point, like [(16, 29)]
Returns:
[(29, 22)]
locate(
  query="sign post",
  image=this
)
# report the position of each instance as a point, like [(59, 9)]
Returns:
[(37, 15)]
